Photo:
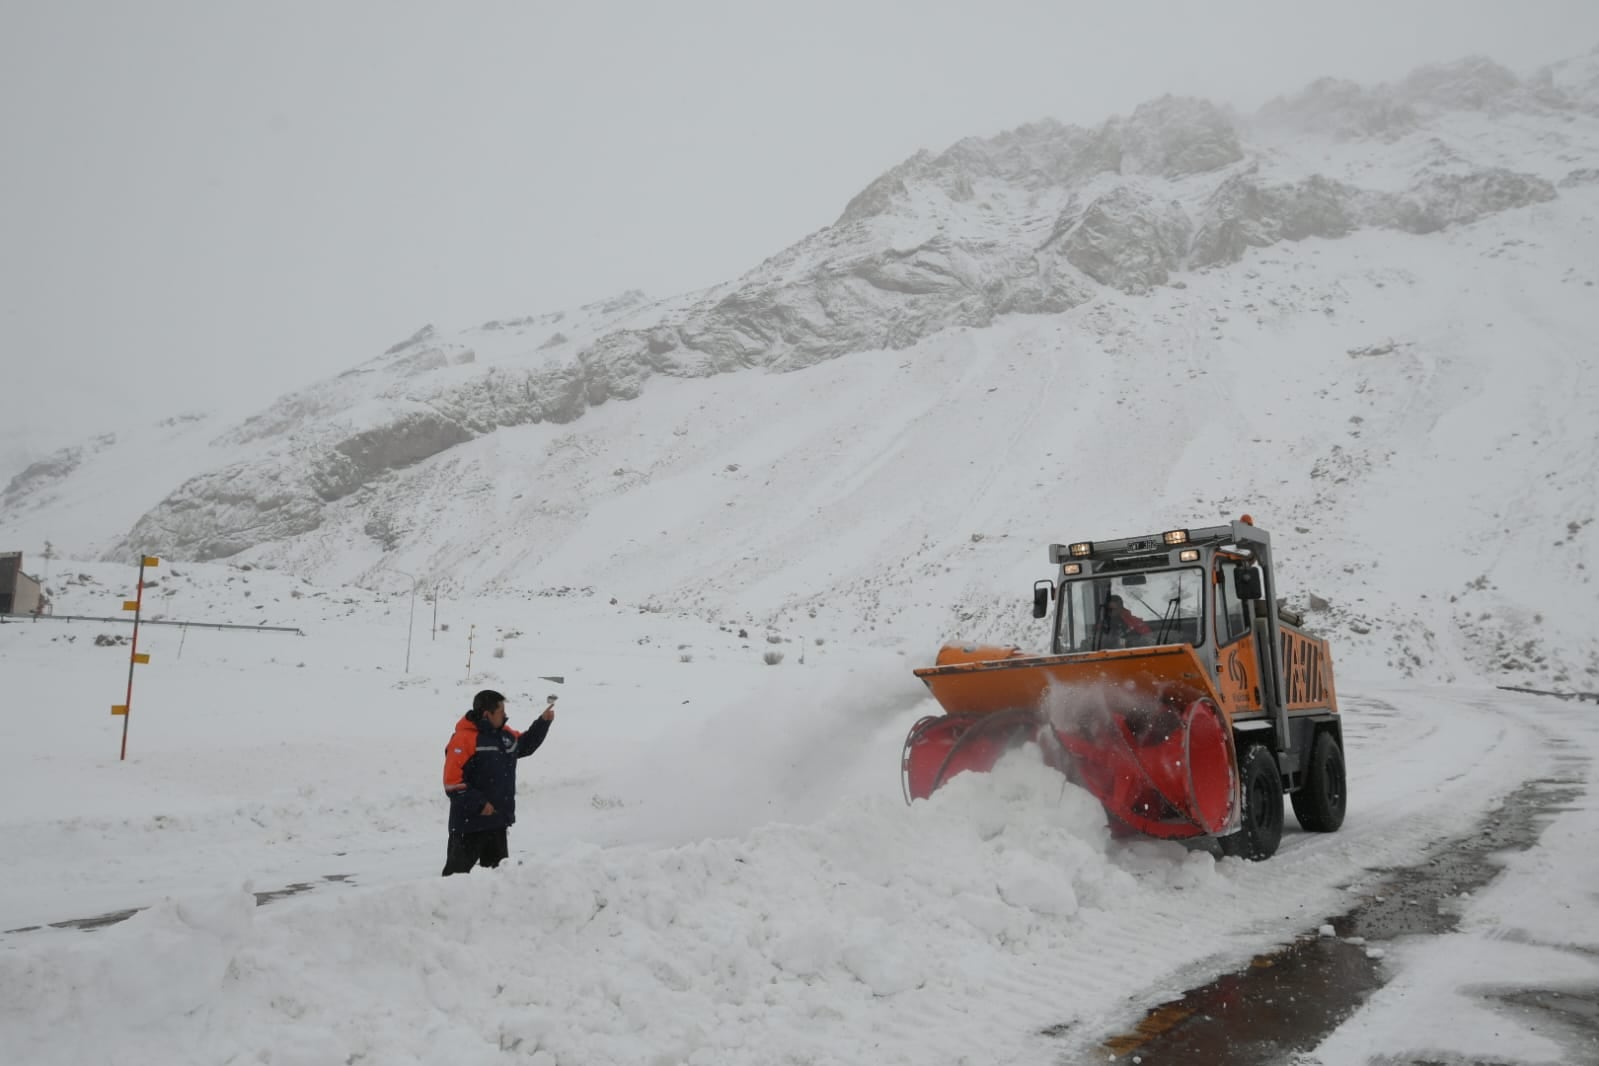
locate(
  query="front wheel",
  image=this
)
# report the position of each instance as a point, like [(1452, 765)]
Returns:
[(1262, 794), (1319, 805)]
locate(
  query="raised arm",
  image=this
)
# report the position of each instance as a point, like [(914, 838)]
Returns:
[(529, 742)]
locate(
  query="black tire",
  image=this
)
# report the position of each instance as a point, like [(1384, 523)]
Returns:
[(1319, 805), (1261, 788)]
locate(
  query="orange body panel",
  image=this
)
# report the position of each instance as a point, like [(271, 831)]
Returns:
[(1238, 680), (1307, 666), (952, 654), (1118, 681)]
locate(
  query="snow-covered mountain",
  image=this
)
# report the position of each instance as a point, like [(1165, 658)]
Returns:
[(1364, 314)]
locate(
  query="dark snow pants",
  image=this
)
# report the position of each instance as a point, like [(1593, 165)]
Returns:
[(469, 849)]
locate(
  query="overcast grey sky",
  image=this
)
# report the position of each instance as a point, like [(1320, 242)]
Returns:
[(217, 199)]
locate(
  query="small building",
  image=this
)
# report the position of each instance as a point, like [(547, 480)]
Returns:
[(19, 593)]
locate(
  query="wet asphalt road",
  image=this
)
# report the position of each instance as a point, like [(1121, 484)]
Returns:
[(1287, 1002)]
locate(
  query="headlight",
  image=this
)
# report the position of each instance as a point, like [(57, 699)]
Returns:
[(1188, 555), (1082, 549), (1176, 536)]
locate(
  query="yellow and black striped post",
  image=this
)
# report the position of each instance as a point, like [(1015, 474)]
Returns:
[(136, 605)]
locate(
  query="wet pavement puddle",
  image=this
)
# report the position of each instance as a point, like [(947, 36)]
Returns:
[(1286, 1002)]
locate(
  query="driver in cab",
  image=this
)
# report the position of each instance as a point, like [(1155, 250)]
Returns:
[(1119, 627)]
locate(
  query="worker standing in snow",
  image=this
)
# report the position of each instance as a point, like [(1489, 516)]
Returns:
[(480, 780)]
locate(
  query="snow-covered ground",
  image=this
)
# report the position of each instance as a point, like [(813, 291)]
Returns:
[(713, 862)]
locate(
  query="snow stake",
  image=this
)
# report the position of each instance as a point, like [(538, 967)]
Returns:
[(135, 657)]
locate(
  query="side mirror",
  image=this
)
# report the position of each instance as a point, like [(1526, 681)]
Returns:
[(1041, 594), (1246, 583)]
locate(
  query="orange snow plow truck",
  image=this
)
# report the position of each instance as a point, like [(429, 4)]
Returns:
[(1177, 691)]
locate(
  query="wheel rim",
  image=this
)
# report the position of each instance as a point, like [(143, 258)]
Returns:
[(1333, 783), (1259, 802)]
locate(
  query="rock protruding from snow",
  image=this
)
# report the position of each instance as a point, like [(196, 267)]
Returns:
[(426, 333), (1473, 84), (885, 191), (1124, 239), (1571, 83), (1244, 212), (37, 475), (33, 484), (1175, 136), (1341, 110), (1442, 200)]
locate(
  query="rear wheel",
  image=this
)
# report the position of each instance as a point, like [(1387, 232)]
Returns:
[(1319, 805), (1262, 815)]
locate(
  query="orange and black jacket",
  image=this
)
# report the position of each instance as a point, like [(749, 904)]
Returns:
[(480, 768)]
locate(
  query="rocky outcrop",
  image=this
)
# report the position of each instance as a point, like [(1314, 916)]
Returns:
[(886, 190), (1170, 137), (426, 333), (1176, 136), (1473, 84), (1439, 201), (36, 476), (1345, 111), (286, 492), (1342, 110), (1124, 239), (1244, 213), (1571, 84), (225, 512), (34, 482)]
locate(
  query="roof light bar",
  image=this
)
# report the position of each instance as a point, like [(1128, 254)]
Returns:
[(1176, 536), (1082, 549)]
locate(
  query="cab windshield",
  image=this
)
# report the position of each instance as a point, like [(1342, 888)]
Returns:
[(1132, 610)]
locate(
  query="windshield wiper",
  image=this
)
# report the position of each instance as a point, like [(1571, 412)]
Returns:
[(1168, 620)]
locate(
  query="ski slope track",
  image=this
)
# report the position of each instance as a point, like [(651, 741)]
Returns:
[(734, 521)]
